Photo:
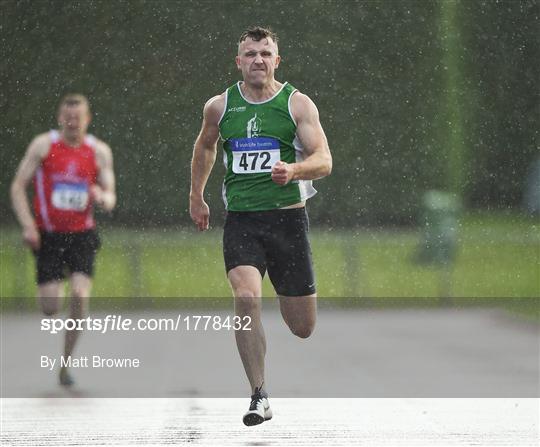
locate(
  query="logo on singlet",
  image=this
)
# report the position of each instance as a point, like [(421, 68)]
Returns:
[(237, 109), (254, 127)]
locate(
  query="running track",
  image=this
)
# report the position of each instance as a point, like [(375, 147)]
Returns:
[(398, 369)]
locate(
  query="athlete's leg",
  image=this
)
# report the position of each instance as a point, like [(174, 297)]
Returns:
[(300, 313), (291, 272), (50, 296), (246, 283), (80, 285), (80, 257)]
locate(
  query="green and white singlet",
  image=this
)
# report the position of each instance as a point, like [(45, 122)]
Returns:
[(255, 136)]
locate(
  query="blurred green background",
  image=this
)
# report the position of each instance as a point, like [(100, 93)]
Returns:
[(413, 95)]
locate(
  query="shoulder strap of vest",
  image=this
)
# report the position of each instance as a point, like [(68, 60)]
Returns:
[(90, 140), (55, 136)]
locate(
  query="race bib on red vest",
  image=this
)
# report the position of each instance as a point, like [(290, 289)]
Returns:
[(70, 196)]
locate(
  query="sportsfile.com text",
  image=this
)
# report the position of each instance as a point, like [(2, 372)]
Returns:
[(112, 323)]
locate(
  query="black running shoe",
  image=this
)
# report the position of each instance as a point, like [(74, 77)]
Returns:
[(65, 378), (259, 409)]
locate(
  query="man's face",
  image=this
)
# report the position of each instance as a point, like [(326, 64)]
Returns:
[(257, 61), (74, 118)]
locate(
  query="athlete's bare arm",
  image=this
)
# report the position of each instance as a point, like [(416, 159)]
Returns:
[(36, 152), (318, 162), (204, 156), (104, 193)]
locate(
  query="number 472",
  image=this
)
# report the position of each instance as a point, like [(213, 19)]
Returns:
[(256, 157)]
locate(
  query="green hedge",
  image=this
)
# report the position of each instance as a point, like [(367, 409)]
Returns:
[(397, 122)]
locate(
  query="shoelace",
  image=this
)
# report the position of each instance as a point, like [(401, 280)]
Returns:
[(256, 398)]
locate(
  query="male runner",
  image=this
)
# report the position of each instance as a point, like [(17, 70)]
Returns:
[(71, 171), (274, 146)]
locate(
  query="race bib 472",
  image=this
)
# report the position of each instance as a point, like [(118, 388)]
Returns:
[(254, 155)]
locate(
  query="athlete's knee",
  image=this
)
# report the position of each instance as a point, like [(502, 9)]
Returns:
[(245, 293), (80, 292), (79, 305), (49, 311), (49, 305), (303, 331), (302, 328), (246, 301), (80, 285)]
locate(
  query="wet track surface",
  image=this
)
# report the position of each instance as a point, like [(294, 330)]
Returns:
[(415, 377), (300, 422)]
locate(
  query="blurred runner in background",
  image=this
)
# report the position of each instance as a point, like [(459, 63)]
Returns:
[(71, 171)]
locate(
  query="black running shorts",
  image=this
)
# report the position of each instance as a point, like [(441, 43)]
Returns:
[(275, 240), (74, 252)]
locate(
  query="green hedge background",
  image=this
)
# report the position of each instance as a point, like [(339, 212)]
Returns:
[(413, 95)]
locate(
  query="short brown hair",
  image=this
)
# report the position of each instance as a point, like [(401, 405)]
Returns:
[(73, 99), (258, 33)]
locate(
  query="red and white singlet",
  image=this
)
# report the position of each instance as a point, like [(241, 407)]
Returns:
[(62, 201)]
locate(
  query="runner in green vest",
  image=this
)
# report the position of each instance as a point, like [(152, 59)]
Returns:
[(273, 146)]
